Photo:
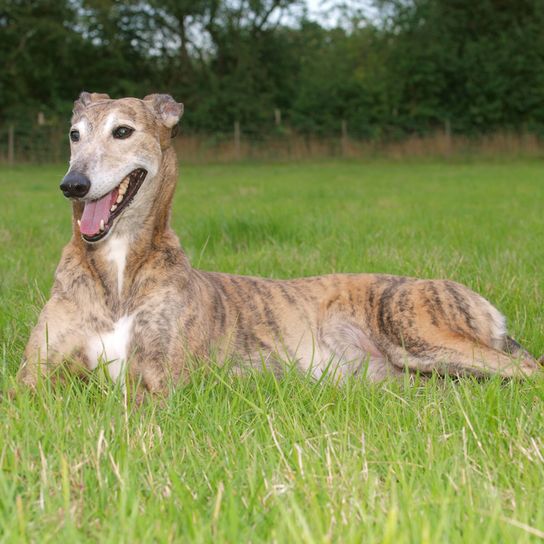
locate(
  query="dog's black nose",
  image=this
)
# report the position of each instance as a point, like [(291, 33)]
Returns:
[(75, 184)]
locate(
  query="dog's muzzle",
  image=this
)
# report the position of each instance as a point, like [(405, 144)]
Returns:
[(75, 185), (98, 215)]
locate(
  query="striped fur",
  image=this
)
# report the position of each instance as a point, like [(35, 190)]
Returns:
[(171, 314)]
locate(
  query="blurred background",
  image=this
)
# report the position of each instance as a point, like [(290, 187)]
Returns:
[(282, 79)]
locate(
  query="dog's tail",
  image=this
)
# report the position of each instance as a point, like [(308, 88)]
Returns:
[(517, 350)]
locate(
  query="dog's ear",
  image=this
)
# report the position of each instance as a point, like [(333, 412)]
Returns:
[(165, 108), (85, 99)]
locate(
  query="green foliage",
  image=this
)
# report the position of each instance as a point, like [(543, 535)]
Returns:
[(414, 67), (477, 64)]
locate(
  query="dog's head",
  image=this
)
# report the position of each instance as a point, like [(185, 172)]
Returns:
[(116, 151)]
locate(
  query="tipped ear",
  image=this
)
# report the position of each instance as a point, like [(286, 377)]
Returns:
[(165, 108), (85, 99)]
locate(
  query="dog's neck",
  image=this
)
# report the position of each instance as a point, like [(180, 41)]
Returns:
[(152, 234)]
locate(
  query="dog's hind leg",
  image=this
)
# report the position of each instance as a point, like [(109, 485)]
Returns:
[(442, 326), (462, 356)]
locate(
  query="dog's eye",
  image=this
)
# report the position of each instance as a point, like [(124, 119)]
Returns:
[(122, 132), (74, 135)]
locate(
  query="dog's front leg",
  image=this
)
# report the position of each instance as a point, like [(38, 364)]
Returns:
[(56, 337), (159, 351), (153, 371)]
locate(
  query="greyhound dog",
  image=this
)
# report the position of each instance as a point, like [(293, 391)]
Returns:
[(125, 293)]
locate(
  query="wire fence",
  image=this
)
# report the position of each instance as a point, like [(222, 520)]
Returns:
[(48, 143)]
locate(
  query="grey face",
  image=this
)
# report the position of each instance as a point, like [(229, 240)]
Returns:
[(115, 156)]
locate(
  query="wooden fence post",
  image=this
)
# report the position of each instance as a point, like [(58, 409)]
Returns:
[(237, 139), (447, 132), (11, 144), (277, 117), (344, 141)]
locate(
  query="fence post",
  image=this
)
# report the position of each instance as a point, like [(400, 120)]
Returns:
[(277, 117), (447, 133), (11, 144), (344, 140), (237, 138)]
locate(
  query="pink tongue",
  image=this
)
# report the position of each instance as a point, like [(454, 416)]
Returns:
[(94, 212)]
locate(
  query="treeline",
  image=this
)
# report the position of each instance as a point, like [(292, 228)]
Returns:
[(412, 67)]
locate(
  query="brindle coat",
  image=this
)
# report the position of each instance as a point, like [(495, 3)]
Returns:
[(136, 295)]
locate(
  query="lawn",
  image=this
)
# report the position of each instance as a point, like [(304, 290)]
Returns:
[(258, 459)]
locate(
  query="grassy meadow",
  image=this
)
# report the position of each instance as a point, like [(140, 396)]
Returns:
[(256, 459)]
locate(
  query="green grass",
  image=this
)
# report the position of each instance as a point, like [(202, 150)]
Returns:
[(254, 459)]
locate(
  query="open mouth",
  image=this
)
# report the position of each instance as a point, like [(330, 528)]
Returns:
[(98, 215)]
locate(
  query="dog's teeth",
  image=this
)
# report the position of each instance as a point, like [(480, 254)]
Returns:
[(122, 189), (119, 198), (113, 208), (102, 226), (79, 222)]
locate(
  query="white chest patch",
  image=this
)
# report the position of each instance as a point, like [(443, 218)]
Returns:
[(111, 348), (116, 253)]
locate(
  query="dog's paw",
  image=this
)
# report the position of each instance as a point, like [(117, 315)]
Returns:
[(9, 394)]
